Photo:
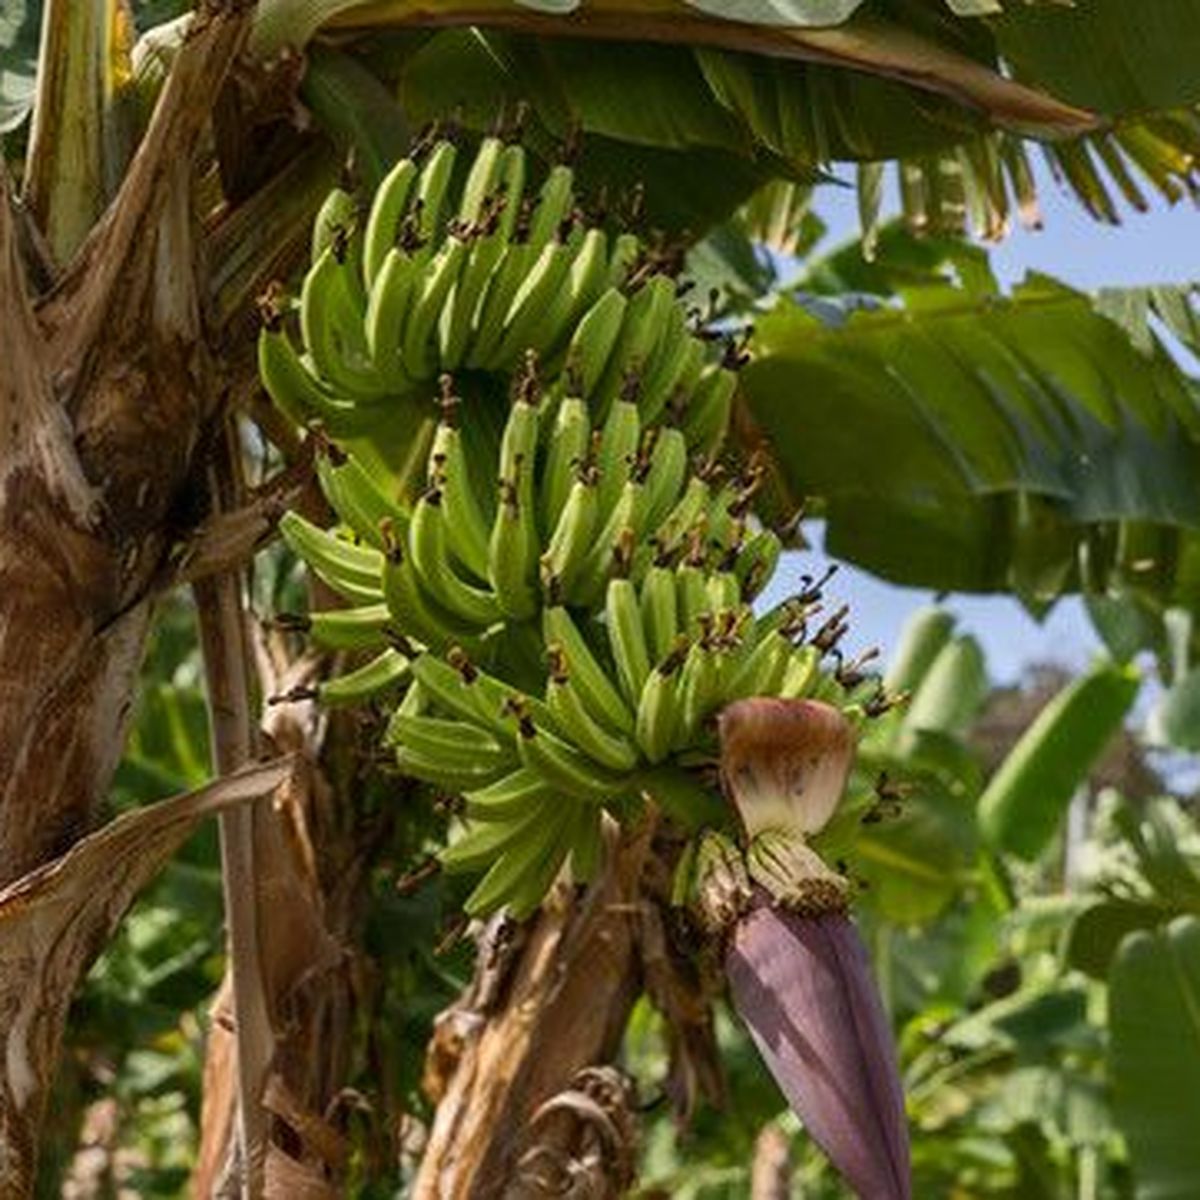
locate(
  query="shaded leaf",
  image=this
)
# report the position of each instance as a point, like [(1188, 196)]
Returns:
[(1172, 875), (20, 23), (916, 863), (950, 692), (780, 12), (1097, 932), (1154, 1005), (1107, 54), (1176, 719)]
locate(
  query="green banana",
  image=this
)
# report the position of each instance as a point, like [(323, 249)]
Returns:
[(706, 417), (511, 566), (561, 765), (595, 687), (625, 253), (553, 208), (617, 452), (566, 452), (484, 842), (481, 179), (593, 340), (463, 514), (698, 683), (569, 543), (420, 346), (757, 560), (331, 322), (764, 669), (430, 550), (394, 291), (802, 671), (523, 870), (435, 771), (612, 547), (627, 638), (385, 671), (301, 396), (492, 227), (691, 582), (513, 166), (587, 845), (354, 572), (499, 704), (659, 602), (505, 279), (432, 186), (417, 613), (667, 367), (723, 591), (355, 496), (674, 528), (646, 318), (455, 745), (386, 215), (610, 750), (337, 223), (589, 271), (541, 872), (509, 797), (514, 544), (531, 322), (658, 705), (362, 628)]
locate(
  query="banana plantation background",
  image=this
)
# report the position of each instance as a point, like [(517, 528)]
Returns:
[(227, 966)]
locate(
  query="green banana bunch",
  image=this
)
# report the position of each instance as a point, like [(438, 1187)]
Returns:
[(566, 603), (420, 281)]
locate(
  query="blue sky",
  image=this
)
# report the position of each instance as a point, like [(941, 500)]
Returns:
[(1155, 247)]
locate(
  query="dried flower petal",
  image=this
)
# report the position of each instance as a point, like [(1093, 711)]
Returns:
[(721, 884), (785, 762), (803, 986)]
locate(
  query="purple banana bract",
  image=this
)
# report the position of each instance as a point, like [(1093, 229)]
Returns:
[(803, 986)]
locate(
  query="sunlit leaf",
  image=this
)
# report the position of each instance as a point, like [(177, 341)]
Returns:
[(922, 427), (1025, 800)]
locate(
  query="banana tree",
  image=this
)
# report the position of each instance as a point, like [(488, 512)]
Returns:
[(161, 183)]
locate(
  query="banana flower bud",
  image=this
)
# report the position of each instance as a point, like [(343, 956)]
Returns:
[(797, 969)]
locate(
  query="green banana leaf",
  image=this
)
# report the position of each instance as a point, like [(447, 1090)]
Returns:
[(966, 441), (1024, 802), (1154, 1026), (925, 86)]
